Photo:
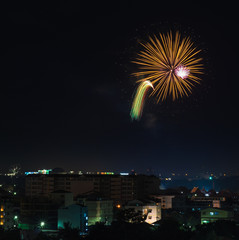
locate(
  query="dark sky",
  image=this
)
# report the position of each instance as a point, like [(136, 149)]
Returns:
[(66, 89)]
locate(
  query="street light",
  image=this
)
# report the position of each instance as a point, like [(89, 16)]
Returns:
[(42, 224)]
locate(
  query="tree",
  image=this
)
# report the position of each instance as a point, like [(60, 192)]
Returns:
[(99, 231), (131, 216), (220, 230), (169, 229), (69, 233), (42, 236), (13, 234)]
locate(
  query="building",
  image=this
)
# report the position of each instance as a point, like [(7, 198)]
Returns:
[(206, 201), (149, 209), (38, 212), (62, 198), (119, 188), (166, 200), (9, 212), (76, 215), (213, 214), (99, 209), (197, 200), (182, 203)]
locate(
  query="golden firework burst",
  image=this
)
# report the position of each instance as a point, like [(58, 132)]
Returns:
[(171, 64)]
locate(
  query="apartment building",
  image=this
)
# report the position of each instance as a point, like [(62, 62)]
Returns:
[(150, 209), (120, 189), (99, 209), (209, 215)]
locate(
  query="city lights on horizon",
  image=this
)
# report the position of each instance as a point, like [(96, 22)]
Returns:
[(164, 174)]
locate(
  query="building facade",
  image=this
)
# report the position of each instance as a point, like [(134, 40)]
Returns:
[(38, 212), (9, 212), (99, 209), (62, 198), (166, 200), (120, 189), (76, 215), (149, 209), (213, 214)]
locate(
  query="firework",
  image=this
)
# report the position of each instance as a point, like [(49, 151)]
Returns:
[(171, 64), (182, 72), (138, 102)]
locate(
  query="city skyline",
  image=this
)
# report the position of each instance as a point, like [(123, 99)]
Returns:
[(67, 91)]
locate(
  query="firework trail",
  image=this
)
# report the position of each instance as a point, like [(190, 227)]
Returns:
[(170, 64), (138, 102)]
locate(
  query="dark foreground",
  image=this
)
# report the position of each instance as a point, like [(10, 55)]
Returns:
[(168, 230)]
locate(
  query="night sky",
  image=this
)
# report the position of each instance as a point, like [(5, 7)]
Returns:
[(66, 89)]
